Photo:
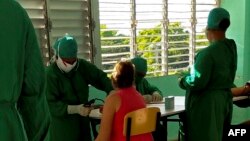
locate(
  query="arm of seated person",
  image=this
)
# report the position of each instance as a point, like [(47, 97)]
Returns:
[(153, 93), (240, 91), (112, 104), (147, 98), (156, 96)]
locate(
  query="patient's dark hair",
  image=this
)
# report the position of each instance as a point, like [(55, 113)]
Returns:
[(224, 24), (123, 75)]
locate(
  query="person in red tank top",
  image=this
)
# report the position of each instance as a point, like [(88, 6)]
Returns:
[(121, 101)]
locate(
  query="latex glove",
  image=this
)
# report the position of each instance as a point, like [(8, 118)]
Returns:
[(79, 109), (147, 98), (156, 97)]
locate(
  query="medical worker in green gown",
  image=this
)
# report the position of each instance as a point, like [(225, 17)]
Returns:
[(150, 93), (22, 78), (68, 80), (208, 94)]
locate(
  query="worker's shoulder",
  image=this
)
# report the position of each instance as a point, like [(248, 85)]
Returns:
[(144, 80), (205, 52), (86, 64), (51, 69), (83, 61), (11, 6), (113, 96), (225, 42), (12, 9)]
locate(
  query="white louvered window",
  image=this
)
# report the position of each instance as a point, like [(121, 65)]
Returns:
[(165, 32), (54, 18), (202, 10), (115, 32), (36, 10), (72, 17)]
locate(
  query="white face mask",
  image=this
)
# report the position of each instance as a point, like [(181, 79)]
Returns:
[(64, 66)]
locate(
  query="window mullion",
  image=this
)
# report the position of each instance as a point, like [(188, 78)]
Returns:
[(218, 3), (133, 49), (91, 25), (96, 39), (192, 40), (164, 39), (48, 26)]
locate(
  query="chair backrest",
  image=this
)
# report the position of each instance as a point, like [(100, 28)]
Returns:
[(141, 121)]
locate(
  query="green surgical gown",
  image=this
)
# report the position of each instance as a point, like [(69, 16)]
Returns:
[(22, 78), (208, 95), (72, 88), (144, 87)]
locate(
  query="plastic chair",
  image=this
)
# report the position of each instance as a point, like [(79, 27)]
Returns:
[(141, 121)]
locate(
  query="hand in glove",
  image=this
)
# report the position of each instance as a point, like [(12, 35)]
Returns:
[(156, 97), (79, 109), (147, 98)]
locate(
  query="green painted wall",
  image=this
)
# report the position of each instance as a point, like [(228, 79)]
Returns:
[(236, 31), (246, 73), (240, 32), (247, 42)]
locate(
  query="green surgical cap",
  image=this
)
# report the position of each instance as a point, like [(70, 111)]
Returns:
[(140, 64), (66, 47), (215, 17)]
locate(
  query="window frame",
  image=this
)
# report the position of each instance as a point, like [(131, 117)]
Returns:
[(192, 35)]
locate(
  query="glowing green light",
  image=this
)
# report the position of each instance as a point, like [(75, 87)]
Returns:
[(194, 74)]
